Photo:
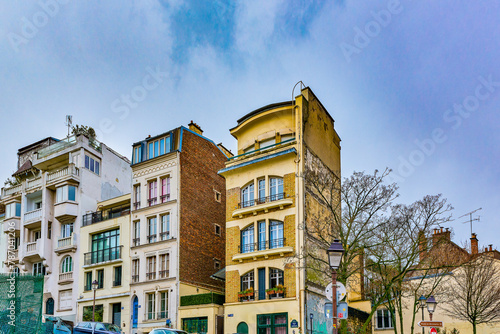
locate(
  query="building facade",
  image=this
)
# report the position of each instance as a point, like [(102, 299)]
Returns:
[(177, 226), (268, 288), (56, 184)]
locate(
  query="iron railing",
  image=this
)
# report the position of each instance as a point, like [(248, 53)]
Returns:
[(262, 200), (165, 198), (99, 216), (151, 276), (151, 238), (136, 241), (135, 278), (261, 245), (103, 255), (163, 273), (261, 296), (136, 205)]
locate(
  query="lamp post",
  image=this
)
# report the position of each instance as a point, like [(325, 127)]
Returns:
[(335, 253), (431, 305), (94, 287), (422, 300)]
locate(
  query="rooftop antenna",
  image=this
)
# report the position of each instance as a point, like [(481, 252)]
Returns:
[(69, 122), (470, 218)]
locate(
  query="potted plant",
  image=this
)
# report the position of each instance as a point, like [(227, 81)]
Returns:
[(249, 292), (280, 289), (271, 291), (241, 294)]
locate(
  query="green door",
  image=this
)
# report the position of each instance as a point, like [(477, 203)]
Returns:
[(242, 328)]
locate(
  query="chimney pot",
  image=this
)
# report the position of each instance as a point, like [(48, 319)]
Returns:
[(491, 247), (473, 244)]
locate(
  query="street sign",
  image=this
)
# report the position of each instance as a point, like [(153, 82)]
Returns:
[(341, 291), (430, 323), (342, 308), (433, 331)]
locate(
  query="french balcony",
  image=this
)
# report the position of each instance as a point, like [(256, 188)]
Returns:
[(66, 211), (262, 204), (262, 249), (111, 213), (14, 191), (103, 255), (33, 250), (135, 278), (68, 173), (163, 274), (66, 244), (66, 278), (33, 184), (151, 276), (250, 296), (11, 224), (136, 205), (32, 217)]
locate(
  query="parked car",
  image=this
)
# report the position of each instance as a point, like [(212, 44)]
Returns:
[(167, 331), (89, 327)]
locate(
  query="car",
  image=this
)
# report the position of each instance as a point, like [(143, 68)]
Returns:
[(89, 327), (167, 331)]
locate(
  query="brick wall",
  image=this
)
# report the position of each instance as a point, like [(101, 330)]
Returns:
[(232, 286), (232, 243), (290, 279), (232, 200), (200, 160), (289, 186)]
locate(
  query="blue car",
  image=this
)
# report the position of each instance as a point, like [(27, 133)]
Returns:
[(89, 327)]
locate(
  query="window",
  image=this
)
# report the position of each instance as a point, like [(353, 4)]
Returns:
[(217, 230), (88, 281), (137, 233), (275, 188), (165, 189), (247, 241), (151, 267), (151, 229), (249, 149), (384, 319), (247, 281), (262, 190), (164, 265), (272, 323), (216, 264), (165, 227), (137, 197), (87, 316), (287, 137), (118, 276), (37, 205), (276, 234), (275, 277), (247, 196), (195, 325), (65, 298), (262, 235), (135, 270), (151, 303), (267, 142), (49, 306), (65, 193), (218, 196), (67, 265), (13, 210), (152, 193), (163, 314), (66, 230), (37, 235), (92, 164), (16, 271), (105, 247), (158, 147), (38, 268), (100, 278), (137, 156)]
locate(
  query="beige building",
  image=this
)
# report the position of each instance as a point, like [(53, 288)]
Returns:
[(268, 288)]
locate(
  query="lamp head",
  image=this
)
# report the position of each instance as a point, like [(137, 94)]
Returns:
[(431, 304), (335, 253)]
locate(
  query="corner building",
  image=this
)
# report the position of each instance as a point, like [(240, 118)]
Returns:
[(177, 228), (268, 289)]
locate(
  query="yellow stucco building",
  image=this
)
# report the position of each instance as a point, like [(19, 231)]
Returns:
[(267, 286)]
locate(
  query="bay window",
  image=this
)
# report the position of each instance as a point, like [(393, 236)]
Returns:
[(65, 193), (13, 210)]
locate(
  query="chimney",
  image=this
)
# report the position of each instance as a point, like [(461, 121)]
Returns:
[(473, 245), (195, 128), (422, 245), (491, 247), (439, 234)]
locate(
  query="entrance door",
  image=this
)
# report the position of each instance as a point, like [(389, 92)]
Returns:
[(117, 314), (135, 312), (262, 283)]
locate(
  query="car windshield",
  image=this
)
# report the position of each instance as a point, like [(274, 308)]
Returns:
[(112, 328)]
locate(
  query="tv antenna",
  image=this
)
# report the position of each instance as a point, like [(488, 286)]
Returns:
[(69, 122), (470, 218)]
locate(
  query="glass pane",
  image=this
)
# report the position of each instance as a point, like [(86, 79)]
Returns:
[(162, 146), (71, 193), (151, 151), (167, 144), (97, 167), (156, 148)]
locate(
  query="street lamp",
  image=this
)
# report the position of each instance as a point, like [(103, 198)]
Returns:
[(94, 287), (431, 305), (335, 253), (422, 300)]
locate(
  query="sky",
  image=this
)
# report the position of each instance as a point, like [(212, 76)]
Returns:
[(412, 85)]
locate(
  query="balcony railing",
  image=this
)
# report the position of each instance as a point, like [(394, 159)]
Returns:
[(103, 255), (165, 198), (70, 170), (262, 200), (263, 245), (136, 241), (261, 149), (11, 190), (33, 215), (135, 278), (59, 146), (65, 242), (66, 276), (34, 183), (163, 273), (261, 296), (152, 201), (162, 315), (32, 247), (151, 276), (164, 235), (99, 216), (151, 238), (136, 205)]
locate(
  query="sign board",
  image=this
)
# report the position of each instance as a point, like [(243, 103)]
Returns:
[(341, 291), (230, 315), (433, 331), (328, 310), (342, 308), (430, 323), (294, 324)]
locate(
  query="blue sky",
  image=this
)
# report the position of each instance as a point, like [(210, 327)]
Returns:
[(414, 86)]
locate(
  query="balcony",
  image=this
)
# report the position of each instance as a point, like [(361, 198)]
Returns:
[(13, 191), (70, 172), (136, 205), (99, 216), (135, 278), (163, 274), (34, 184), (66, 278), (103, 255), (12, 256), (262, 249), (54, 148), (262, 204), (11, 224), (33, 250), (31, 217), (65, 211), (151, 276), (67, 244)]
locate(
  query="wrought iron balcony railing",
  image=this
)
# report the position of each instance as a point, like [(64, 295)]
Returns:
[(262, 200), (99, 216), (103, 255), (262, 245)]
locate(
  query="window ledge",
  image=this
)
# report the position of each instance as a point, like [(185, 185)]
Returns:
[(104, 263), (262, 207), (263, 253)]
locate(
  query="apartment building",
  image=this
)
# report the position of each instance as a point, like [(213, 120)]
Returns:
[(177, 227), (105, 259), (57, 183), (268, 286)]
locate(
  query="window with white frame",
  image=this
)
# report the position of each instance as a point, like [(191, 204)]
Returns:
[(165, 227), (262, 235), (159, 147), (137, 197), (151, 267), (275, 277), (92, 164), (65, 300), (137, 233), (276, 239), (247, 198), (135, 270), (151, 229), (66, 230), (137, 156), (384, 319), (247, 281), (13, 210), (65, 193), (38, 268), (152, 192), (163, 312), (165, 189), (151, 305), (276, 188), (247, 240), (262, 190), (67, 265), (164, 265)]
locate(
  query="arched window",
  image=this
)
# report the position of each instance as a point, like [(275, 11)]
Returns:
[(242, 328), (275, 277), (276, 188), (247, 281), (247, 198), (49, 306), (247, 240), (276, 239), (67, 265)]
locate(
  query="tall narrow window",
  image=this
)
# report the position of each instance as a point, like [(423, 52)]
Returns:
[(384, 320), (247, 281), (67, 265), (276, 234), (151, 152), (276, 188), (165, 189), (151, 305), (247, 198), (136, 241), (247, 240), (156, 148), (167, 144), (118, 276), (152, 229), (152, 185), (262, 190), (162, 146), (137, 197), (88, 281), (165, 227), (137, 155), (275, 277), (262, 235), (66, 230), (151, 267), (135, 270), (100, 278), (163, 314), (164, 265)]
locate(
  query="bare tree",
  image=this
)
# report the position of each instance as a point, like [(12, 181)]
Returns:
[(474, 291)]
